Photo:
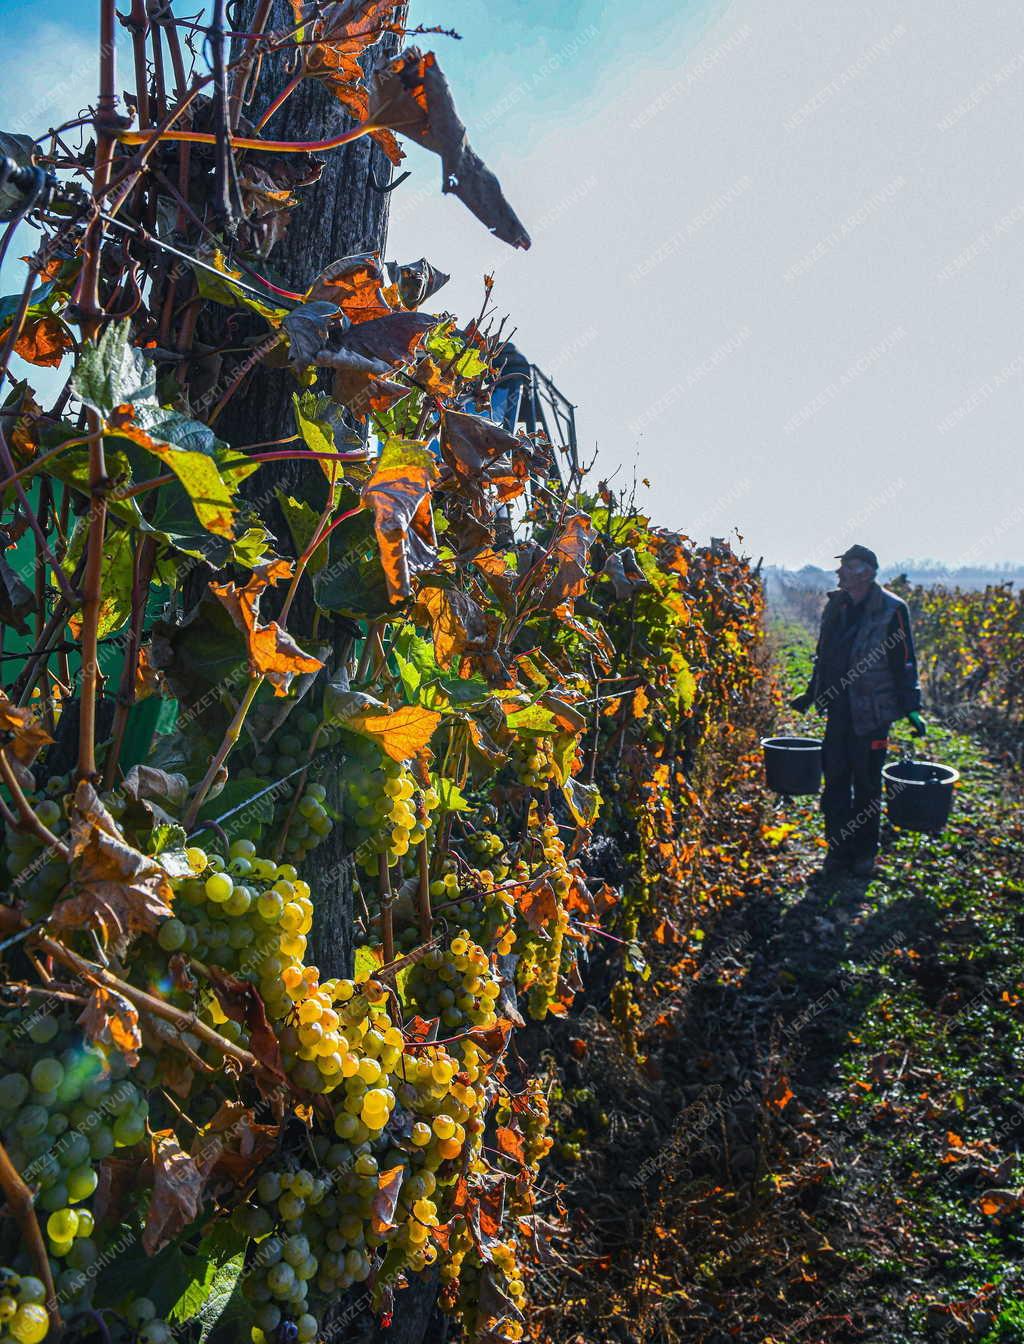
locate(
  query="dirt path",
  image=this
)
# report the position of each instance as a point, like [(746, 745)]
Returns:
[(829, 1148)]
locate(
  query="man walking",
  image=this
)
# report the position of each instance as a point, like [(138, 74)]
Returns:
[(865, 676)]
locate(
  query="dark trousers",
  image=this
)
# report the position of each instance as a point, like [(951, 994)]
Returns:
[(852, 798)]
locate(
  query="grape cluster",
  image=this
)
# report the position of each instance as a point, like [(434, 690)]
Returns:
[(387, 811), (533, 762), (455, 984), (300, 801), (462, 1276), (36, 875), (402, 1119), (23, 1315), (247, 914), (65, 1106)]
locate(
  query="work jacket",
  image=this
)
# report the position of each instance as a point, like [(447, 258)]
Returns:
[(871, 670)]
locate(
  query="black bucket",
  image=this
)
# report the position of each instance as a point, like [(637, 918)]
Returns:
[(792, 765), (919, 794)]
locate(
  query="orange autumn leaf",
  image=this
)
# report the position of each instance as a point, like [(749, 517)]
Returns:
[(44, 341), (385, 1199), (641, 700), (111, 1020), (273, 653), (400, 734), (355, 284), (537, 903), (345, 30), (117, 891), (510, 1144), (781, 1094), (456, 621), (26, 735), (398, 494), (997, 1203)]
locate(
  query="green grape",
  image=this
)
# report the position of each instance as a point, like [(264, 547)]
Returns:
[(171, 935), (43, 1029), (14, 1090), (81, 1182), (47, 1074), (62, 1225)]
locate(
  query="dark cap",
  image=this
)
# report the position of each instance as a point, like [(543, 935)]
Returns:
[(860, 553)]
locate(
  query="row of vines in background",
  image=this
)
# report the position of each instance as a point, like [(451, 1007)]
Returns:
[(972, 660), (400, 629)]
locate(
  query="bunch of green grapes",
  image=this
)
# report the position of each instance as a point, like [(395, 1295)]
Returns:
[(299, 802), (247, 914), (530, 1112), (64, 1106), (533, 762), (462, 1277), (36, 876), (388, 812), (23, 1315), (455, 984), (406, 1115)]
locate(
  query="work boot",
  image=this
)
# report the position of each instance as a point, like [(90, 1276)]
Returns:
[(833, 867)]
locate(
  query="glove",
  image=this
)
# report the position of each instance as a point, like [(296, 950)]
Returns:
[(802, 703), (919, 725)]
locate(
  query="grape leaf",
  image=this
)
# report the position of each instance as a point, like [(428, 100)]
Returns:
[(118, 892), (273, 653), (112, 372), (344, 31), (400, 733), (112, 1021), (44, 341), (411, 95), (398, 494), (177, 1192), (457, 622), (355, 284), (26, 735), (219, 1261), (385, 1199)]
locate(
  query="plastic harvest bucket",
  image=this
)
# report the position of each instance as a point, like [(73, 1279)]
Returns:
[(919, 794), (792, 765)]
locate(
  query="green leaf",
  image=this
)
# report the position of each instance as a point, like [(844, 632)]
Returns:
[(359, 591), (118, 564), (584, 801), (636, 961), (166, 837), (451, 796), (414, 658), (465, 690), (367, 963), (218, 1264), (533, 719), (445, 348), (191, 460), (563, 750), (111, 371), (302, 523), (222, 289)]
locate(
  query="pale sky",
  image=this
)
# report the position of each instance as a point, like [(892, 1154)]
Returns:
[(776, 257), (776, 262)]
